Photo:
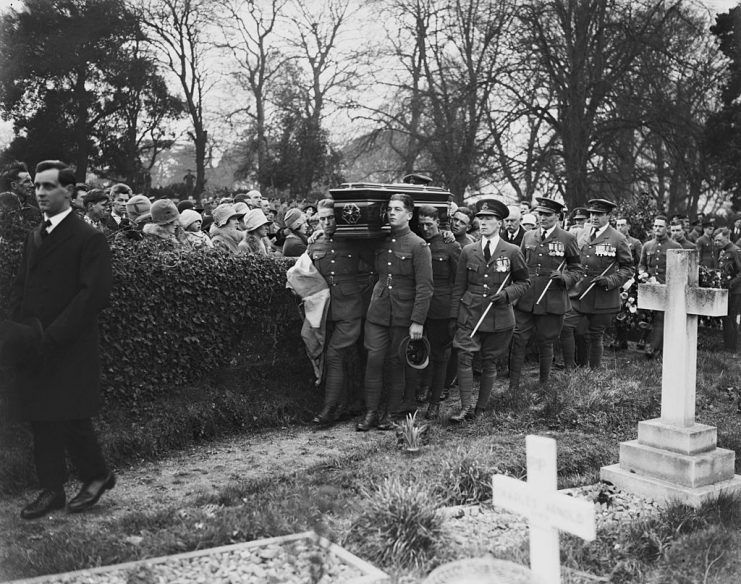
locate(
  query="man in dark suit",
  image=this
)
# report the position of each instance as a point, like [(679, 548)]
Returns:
[(483, 268), (512, 231), (63, 282), (553, 263), (608, 264)]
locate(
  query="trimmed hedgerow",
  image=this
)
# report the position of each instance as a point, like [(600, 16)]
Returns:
[(177, 316)]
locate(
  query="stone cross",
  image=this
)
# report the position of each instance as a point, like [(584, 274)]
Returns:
[(547, 510), (682, 301)]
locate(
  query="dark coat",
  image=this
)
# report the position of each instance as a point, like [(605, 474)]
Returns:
[(608, 250), (340, 261), (64, 280), (653, 257), (402, 294), (544, 257), (444, 266), (477, 281), (504, 234)]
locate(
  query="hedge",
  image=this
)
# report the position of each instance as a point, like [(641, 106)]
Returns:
[(177, 317)]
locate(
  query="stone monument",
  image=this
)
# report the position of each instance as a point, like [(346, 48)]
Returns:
[(674, 458)]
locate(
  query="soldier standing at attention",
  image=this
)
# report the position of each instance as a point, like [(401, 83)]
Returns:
[(552, 258), (338, 260), (444, 267), (652, 268), (729, 265), (485, 267), (398, 308), (704, 244), (608, 264)]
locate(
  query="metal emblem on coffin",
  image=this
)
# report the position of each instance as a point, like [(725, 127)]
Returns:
[(351, 213)]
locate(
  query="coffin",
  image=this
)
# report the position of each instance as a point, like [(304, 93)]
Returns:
[(360, 208)]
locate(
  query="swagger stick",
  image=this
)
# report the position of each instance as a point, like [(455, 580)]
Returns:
[(593, 283), (548, 285), (483, 316)]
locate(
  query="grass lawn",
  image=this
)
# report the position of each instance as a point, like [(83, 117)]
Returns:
[(394, 522)]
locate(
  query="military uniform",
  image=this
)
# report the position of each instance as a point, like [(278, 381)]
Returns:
[(707, 251), (729, 265), (444, 267), (544, 254), (607, 252), (653, 263), (686, 243), (476, 282), (400, 297), (339, 261)]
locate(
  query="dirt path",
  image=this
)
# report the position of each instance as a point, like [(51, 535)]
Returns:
[(200, 470)]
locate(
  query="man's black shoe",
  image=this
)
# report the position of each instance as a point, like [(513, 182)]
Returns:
[(91, 492), (46, 501), (325, 418)]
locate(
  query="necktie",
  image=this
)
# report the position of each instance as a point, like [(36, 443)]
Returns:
[(593, 236), (487, 250), (44, 226), (542, 235)]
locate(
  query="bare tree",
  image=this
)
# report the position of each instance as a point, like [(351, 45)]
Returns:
[(250, 31), (585, 48), (451, 54), (177, 31)]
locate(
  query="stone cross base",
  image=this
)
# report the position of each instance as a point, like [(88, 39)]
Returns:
[(674, 463)]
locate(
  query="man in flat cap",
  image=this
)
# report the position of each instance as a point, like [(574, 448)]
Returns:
[(64, 281), (97, 209), (491, 275), (552, 257), (608, 264)]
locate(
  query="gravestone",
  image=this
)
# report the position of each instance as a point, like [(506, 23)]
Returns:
[(547, 510), (675, 458)]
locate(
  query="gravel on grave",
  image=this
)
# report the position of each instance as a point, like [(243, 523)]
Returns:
[(486, 527), (295, 562)]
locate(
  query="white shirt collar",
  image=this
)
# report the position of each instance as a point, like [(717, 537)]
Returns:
[(56, 219), (494, 242), (547, 233)]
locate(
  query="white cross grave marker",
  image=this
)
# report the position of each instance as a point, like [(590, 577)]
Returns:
[(682, 301), (547, 510)]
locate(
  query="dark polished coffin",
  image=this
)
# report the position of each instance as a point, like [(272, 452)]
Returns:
[(360, 208)]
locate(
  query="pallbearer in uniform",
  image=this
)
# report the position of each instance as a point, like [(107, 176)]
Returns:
[(444, 267), (553, 263), (398, 307), (608, 264), (339, 261), (483, 268)]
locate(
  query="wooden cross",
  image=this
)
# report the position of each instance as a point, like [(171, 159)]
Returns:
[(547, 510), (682, 301)]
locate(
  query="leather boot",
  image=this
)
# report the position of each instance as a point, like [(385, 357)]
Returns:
[(466, 413), (369, 421), (433, 412), (422, 394), (326, 417), (546, 361), (386, 422)]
